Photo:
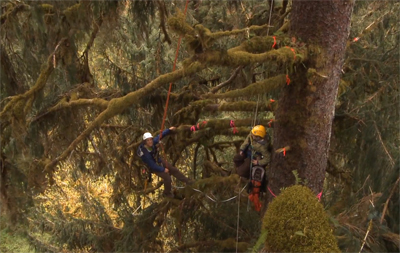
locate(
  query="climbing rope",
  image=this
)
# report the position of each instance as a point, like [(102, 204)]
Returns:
[(212, 199), (238, 219), (255, 114), (251, 142), (170, 85), (169, 93)]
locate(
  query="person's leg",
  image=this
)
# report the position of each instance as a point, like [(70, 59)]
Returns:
[(244, 169), (167, 182), (176, 173)]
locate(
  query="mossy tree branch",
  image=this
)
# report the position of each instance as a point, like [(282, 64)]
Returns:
[(237, 58), (264, 86), (216, 124), (118, 105), (244, 106), (19, 105)]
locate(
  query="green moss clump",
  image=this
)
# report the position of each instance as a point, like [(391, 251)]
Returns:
[(179, 26), (297, 222)]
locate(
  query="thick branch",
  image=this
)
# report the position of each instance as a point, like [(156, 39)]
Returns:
[(237, 58), (98, 102), (215, 124), (20, 104), (244, 106), (264, 86)]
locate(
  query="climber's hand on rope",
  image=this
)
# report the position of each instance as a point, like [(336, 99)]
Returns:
[(172, 128)]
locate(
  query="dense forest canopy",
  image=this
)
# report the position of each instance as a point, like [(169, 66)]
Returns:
[(81, 81)]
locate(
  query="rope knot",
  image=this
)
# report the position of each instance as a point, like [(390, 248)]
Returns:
[(294, 52), (273, 46), (270, 122), (319, 196), (232, 124), (287, 79)]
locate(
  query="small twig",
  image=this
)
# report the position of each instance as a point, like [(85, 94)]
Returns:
[(372, 197), (387, 201), (55, 50), (366, 235), (363, 184), (223, 84), (383, 144)]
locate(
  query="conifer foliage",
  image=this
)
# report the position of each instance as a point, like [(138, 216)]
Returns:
[(81, 81)]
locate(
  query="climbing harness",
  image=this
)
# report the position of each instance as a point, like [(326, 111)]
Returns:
[(256, 180)]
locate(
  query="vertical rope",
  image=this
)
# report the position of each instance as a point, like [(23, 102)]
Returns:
[(255, 115), (251, 141), (170, 85), (237, 222), (270, 14)]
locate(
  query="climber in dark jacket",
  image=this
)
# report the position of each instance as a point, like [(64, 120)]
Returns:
[(148, 152)]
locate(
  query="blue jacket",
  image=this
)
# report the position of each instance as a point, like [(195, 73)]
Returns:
[(151, 158)]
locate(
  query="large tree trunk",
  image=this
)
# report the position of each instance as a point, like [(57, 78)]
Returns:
[(306, 108)]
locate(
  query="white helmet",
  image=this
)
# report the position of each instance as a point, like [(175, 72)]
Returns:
[(147, 135)]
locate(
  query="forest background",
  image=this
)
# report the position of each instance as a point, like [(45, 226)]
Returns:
[(81, 81)]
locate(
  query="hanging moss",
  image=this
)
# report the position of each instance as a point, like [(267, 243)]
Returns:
[(297, 222)]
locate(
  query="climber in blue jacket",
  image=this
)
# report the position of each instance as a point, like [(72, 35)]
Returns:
[(148, 152)]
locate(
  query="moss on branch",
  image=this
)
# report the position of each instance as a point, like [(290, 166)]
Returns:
[(226, 123), (98, 102), (264, 86), (256, 45), (244, 106), (284, 55), (178, 25)]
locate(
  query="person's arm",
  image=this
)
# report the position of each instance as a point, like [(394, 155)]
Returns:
[(156, 139), (266, 156), (149, 161), (245, 144)]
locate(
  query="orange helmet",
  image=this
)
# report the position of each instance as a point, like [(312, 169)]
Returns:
[(259, 131)]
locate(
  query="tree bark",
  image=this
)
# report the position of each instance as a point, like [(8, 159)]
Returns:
[(306, 109)]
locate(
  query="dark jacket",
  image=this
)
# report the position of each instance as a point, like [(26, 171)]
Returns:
[(151, 158)]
